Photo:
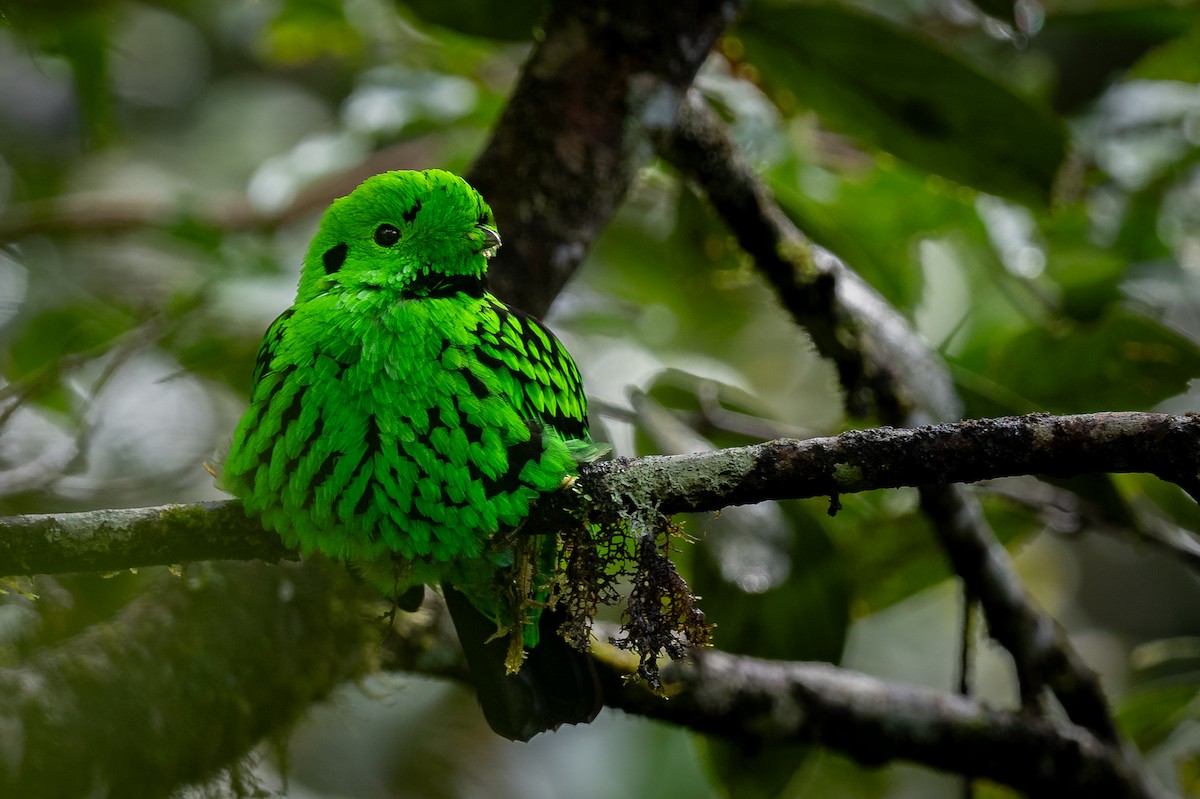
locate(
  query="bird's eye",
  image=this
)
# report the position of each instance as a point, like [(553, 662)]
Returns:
[(386, 235)]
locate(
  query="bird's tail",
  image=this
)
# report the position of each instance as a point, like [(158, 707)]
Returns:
[(556, 685)]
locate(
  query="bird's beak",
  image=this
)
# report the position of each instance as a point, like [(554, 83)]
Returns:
[(491, 241)]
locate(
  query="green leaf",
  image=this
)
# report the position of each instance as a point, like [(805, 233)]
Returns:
[(893, 89), (305, 31), (53, 334), (79, 32), (1088, 278), (1177, 59), (869, 219), (515, 24), (1148, 715), (1125, 361)]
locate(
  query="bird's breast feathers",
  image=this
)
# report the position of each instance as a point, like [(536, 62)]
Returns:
[(397, 432)]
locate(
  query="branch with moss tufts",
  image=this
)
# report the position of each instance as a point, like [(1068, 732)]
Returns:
[(1164, 445)]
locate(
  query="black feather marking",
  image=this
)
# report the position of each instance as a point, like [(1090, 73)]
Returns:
[(449, 503), (475, 384), (280, 383), (486, 359), (318, 429), (411, 213), (372, 438), (292, 412), (325, 472), (548, 350), (518, 455), (424, 439), (364, 502), (266, 350), (417, 513), (372, 446), (334, 257), (264, 455), (473, 432), (434, 286)]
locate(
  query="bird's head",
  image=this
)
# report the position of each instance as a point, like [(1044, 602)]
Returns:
[(407, 234)]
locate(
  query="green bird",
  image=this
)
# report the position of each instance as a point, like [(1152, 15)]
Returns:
[(404, 420)]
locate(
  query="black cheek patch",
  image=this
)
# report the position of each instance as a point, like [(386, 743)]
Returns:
[(334, 257), (411, 213)]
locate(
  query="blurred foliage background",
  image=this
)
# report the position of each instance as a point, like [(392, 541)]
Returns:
[(1021, 179)]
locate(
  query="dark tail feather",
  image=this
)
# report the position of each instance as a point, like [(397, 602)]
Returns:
[(556, 685)]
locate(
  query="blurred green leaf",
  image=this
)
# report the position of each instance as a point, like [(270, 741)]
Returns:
[(1124, 361), (1149, 714), (53, 334), (306, 30), (1152, 18), (78, 31), (515, 23), (868, 218), (897, 91), (1176, 59), (1089, 280)]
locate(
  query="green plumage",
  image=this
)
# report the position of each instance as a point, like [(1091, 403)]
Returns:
[(402, 416)]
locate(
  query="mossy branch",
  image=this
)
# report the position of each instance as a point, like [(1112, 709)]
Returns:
[(754, 701), (1161, 444), (316, 612), (183, 681)]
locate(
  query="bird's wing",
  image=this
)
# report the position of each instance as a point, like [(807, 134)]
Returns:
[(547, 385), (270, 340)]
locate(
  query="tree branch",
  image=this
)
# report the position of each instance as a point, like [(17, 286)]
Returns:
[(313, 613), (127, 538), (183, 681), (83, 700), (860, 460), (881, 360), (884, 364), (605, 79), (863, 460), (1039, 646), (754, 701)]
